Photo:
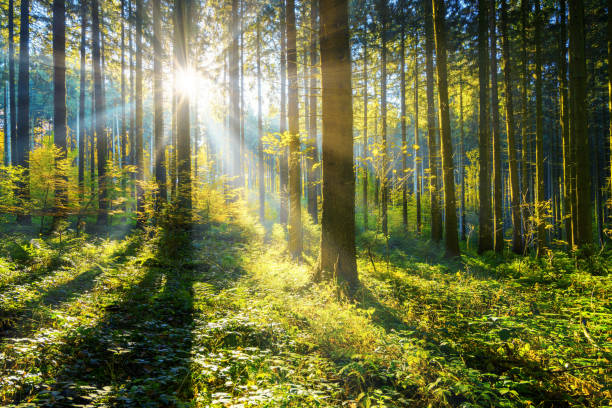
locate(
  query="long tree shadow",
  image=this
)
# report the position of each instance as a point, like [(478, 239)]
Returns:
[(139, 352)]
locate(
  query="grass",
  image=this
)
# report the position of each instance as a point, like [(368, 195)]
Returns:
[(233, 322)]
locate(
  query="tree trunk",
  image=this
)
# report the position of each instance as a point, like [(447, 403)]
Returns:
[(337, 256), (123, 112), (462, 157), (434, 198), (517, 242), (295, 206), (485, 233), (59, 102), (158, 97), (138, 133), (11, 82), (417, 147), (524, 130), (384, 189), (540, 198), (182, 29), (610, 84), (498, 221), (100, 115), (283, 160), (578, 124), (313, 153), (365, 134), (448, 171), (403, 128), (260, 157), (82, 133)]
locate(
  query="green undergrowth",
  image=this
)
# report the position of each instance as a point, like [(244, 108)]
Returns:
[(230, 321)]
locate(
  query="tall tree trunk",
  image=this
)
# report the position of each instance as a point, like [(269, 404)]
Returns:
[(100, 115), (295, 207), (434, 198), (337, 256), (158, 97), (260, 156), (403, 128), (517, 242), (123, 111), (234, 96), (564, 122), (448, 170), (365, 133), (243, 154), (498, 221), (313, 154), (11, 82), (23, 106), (138, 142), (283, 160), (524, 130), (462, 157), (540, 198), (384, 188), (417, 147), (609, 84), (182, 29), (485, 233), (578, 124), (83, 73), (59, 102)]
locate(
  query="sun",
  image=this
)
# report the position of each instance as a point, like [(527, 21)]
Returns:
[(187, 82)]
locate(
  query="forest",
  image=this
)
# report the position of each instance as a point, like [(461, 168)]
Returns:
[(305, 203)]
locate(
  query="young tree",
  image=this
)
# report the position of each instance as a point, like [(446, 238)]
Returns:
[(59, 97), (517, 242), (448, 171), (434, 198), (485, 233), (337, 253), (539, 180), (295, 205)]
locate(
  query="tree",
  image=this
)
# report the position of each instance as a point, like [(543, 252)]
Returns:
[(312, 153), (138, 131), (578, 124), (23, 104), (337, 249), (365, 130), (158, 96), (260, 158), (83, 76), (564, 122), (485, 233), (498, 222), (59, 97), (434, 198), (123, 135), (295, 206), (234, 115), (417, 148), (403, 118), (517, 241), (384, 188), (182, 27), (539, 181), (524, 130), (100, 114), (609, 81), (284, 159), (448, 171), (11, 82)]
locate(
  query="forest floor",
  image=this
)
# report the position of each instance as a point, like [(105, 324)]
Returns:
[(88, 321)]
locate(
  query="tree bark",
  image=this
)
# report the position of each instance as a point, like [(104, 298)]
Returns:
[(485, 233), (578, 124), (434, 197), (260, 157), (540, 198), (337, 256), (498, 221), (83, 75), (11, 82), (517, 242), (365, 133), (524, 130), (59, 101), (313, 154), (158, 97), (284, 159), (417, 147), (403, 127), (384, 181), (295, 206), (138, 142), (100, 115), (448, 170)]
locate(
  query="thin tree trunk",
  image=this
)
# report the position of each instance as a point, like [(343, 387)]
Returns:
[(403, 128), (384, 188), (365, 135), (517, 242), (138, 142), (182, 29), (100, 115), (83, 73), (313, 154), (485, 233), (295, 207), (462, 158), (448, 171), (337, 256), (540, 198), (23, 103), (283, 160), (123, 111), (524, 131), (498, 221), (158, 97), (417, 147), (564, 122), (11, 82), (434, 198), (260, 156), (59, 102)]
